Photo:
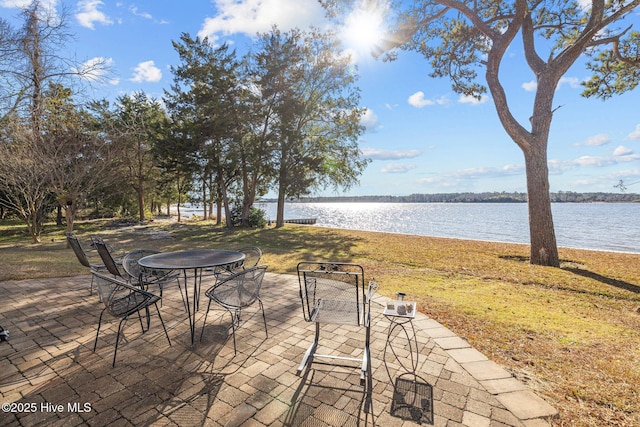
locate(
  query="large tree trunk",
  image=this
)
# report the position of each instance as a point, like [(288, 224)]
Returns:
[(204, 198), (58, 216), (225, 200), (219, 211), (141, 216), (280, 208), (70, 216), (544, 250)]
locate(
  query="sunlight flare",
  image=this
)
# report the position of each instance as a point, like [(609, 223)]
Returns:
[(364, 29)]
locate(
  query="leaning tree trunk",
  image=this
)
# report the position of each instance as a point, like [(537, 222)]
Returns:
[(544, 250)]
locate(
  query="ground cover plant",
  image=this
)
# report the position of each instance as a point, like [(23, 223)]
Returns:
[(571, 333)]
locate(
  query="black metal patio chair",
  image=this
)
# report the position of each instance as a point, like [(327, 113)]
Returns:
[(335, 293), (145, 277), (112, 263), (75, 244), (121, 300), (252, 256), (235, 293)]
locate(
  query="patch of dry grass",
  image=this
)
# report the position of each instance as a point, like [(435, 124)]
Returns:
[(572, 334)]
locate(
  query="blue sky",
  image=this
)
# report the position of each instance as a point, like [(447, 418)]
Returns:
[(421, 136)]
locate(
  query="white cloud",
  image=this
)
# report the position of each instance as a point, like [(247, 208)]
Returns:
[(573, 82), (635, 135), (48, 6), (147, 72), (14, 3), (468, 99), (95, 69), (473, 174), (584, 4), (622, 151), (252, 16), (136, 12), (508, 170), (88, 14), (418, 100), (377, 154), (593, 161), (369, 119), (595, 140), (24, 3), (397, 168)]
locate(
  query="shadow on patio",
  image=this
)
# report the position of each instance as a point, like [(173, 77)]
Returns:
[(49, 373)]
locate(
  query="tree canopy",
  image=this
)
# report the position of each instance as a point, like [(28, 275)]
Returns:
[(285, 116)]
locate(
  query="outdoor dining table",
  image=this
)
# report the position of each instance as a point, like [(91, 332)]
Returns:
[(195, 260)]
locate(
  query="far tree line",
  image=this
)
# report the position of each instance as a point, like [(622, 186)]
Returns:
[(486, 197), (282, 117)]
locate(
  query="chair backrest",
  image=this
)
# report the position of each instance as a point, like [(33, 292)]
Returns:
[(120, 298), (252, 256), (130, 261), (333, 292), (106, 256), (239, 290), (77, 249)]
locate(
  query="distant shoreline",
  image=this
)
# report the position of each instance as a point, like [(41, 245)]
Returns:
[(488, 197)]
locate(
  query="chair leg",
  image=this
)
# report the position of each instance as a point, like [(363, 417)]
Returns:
[(366, 358), (115, 352), (235, 320), (205, 319), (162, 322), (181, 294), (95, 344), (264, 318), (307, 359), (235, 317)]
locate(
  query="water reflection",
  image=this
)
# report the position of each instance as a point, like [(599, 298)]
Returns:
[(603, 226)]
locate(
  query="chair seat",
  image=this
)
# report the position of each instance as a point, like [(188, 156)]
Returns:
[(234, 296), (131, 303), (337, 311)]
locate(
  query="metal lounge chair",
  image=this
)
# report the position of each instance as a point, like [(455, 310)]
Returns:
[(121, 300), (335, 293), (74, 242), (236, 292)]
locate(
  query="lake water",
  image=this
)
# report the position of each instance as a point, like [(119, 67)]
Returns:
[(601, 226)]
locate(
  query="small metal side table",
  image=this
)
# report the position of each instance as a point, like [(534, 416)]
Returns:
[(412, 396), (401, 314)]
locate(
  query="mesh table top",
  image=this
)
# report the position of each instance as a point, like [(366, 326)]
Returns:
[(196, 258)]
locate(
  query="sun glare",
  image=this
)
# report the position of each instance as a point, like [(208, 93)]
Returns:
[(363, 31)]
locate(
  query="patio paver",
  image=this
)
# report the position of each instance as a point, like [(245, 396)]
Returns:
[(50, 375)]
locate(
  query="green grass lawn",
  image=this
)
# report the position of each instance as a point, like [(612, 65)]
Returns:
[(571, 333)]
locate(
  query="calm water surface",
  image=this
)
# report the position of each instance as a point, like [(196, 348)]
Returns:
[(603, 226)]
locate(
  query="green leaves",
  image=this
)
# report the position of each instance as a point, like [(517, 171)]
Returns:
[(615, 71)]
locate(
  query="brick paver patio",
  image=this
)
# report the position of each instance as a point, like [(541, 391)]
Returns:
[(49, 374)]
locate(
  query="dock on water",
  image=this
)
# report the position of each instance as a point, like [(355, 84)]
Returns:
[(308, 221)]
